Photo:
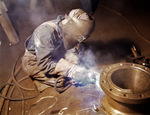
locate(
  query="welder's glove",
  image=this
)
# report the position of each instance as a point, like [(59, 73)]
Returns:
[(62, 67), (82, 76), (78, 74)]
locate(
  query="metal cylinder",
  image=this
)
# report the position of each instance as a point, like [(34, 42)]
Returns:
[(127, 89)]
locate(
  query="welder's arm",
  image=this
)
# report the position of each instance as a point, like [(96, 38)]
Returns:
[(77, 73), (44, 46), (63, 67), (65, 64)]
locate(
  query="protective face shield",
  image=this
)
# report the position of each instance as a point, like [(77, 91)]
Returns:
[(76, 27)]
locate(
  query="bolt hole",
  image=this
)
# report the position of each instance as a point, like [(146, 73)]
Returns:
[(141, 96), (109, 67), (124, 95), (104, 81), (110, 89), (103, 73)]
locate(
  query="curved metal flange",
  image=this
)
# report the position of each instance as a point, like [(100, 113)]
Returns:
[(126, 82)]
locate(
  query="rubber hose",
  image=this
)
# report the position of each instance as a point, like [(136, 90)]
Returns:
[(14, 99), (10, 93)]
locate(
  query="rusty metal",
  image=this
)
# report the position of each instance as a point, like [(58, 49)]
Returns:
[(127, 89)]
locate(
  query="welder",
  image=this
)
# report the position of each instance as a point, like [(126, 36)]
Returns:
[(52, 50)]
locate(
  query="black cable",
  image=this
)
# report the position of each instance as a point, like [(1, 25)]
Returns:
[(12, 78), (13, 74), (2, 86), (10, 94), (14, 99)]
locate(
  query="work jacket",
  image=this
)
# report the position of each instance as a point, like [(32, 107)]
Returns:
[(44, 48)]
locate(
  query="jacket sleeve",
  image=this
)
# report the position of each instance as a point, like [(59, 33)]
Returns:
[(44, 40)]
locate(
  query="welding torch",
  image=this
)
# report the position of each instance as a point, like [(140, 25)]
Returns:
[(62, 83)]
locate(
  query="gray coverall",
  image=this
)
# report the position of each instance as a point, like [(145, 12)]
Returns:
[(44, 48)]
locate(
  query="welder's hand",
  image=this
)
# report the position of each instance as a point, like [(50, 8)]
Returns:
[(82, 76), (79, 74)]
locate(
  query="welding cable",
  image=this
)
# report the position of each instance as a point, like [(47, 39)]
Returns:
[(9, 82), (14, 99), (14, 74), (5, 90), (66, 85), (2, 86), (10, 94), (129, 22), (16, 82)]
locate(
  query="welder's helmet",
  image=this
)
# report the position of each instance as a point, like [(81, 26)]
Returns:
[(76, 27)]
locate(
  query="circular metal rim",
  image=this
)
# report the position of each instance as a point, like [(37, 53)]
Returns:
[(120, 94)]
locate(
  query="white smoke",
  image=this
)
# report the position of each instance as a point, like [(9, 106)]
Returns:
[(87, 59)]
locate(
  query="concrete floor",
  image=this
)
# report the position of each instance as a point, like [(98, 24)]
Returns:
[(110, 42)]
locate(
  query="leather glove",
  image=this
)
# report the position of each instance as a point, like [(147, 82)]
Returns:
[(82, 76), (79, 74), (62, 67)]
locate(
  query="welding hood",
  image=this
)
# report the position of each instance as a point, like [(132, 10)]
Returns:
[(79, 26)]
